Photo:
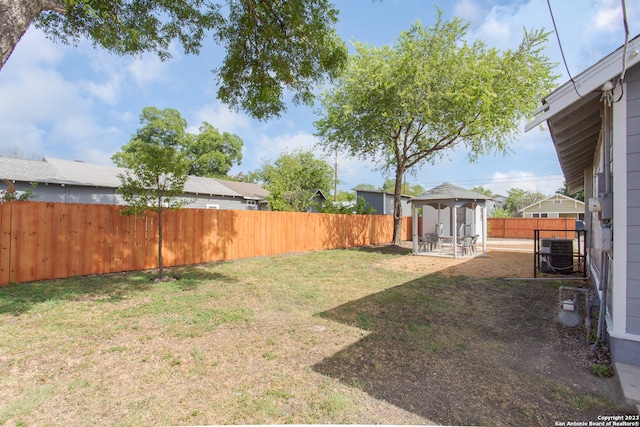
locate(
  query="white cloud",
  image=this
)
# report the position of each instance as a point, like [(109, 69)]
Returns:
[(221, 117), (608, 16), (148, 69), (467, 9), (107, 92)]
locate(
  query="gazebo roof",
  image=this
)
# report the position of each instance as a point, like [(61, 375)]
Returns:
[(447, 192)]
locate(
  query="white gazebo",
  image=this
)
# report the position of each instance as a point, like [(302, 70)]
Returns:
[(445, 201)]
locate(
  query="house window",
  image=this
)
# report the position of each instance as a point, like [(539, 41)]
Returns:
[(212, 206), (540, 215), (581, 216), (557, 202), (252, 205)]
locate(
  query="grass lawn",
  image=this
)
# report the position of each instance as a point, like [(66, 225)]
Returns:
[(330, 337)]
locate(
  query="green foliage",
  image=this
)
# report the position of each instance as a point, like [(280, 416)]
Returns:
[(403, 106), (407, 188), (518, 198), (11, 194), (272, 47), (209, 153), (346, 196), (294, 178), (277, 46), (157, 168), (212, 153), (481, 190), (501, 212), (366, 187), (361, 207)]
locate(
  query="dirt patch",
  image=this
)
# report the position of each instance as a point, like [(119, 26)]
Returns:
[(496, 264)]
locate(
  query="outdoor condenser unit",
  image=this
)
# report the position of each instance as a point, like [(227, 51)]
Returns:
[(556, 256)]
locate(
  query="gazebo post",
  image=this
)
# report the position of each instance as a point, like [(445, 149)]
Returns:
[(414, 228), (484, 229), (454, 225)]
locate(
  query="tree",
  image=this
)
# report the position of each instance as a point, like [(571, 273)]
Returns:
[(402, 106), (517, 198), (366, 187), (407, 188), (294, 178), (10, 194), (209, 153), (564, 190), (272, 47), (359, 207), (481, 190), (157, 169)]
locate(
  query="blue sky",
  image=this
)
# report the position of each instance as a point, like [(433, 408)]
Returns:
[(81, 103)]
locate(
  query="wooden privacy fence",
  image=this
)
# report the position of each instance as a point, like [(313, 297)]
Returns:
[(522, 228), (40, 241)]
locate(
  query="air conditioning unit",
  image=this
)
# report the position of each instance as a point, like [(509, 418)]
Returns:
[(556, 256)]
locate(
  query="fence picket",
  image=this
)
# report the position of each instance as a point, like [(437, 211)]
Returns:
[(43, 240)]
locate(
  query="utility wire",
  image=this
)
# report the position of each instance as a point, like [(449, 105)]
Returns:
[(555, 30), (625, 23)]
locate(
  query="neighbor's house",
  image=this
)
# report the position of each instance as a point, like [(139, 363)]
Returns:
[(382, 201), (68, 181), (595, 127), (556, 206)]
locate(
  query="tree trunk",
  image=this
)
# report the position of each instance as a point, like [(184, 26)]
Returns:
[(397, 208), (160, 267), (17, 15)]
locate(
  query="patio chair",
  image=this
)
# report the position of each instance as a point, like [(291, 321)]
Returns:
[(474, 241), (464, 245), (429, 240)]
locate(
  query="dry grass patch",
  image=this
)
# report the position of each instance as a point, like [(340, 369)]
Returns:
[(334, 337)]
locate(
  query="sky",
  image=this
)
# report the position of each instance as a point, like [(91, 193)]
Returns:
[(82, 103)]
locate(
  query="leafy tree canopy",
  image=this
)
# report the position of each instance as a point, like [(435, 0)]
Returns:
[(272, 46), (481, 190), (517, 198), (294, 178), (407, 189), (359, 207), (209, 153), (402, 106)]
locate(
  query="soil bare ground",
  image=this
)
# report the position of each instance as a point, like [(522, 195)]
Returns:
[(369, 336)]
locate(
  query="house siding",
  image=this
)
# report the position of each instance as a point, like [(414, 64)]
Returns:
[(383, 202), (562, 208), (633, 201), (109, 196)]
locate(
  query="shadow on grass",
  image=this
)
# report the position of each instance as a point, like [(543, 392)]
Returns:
[(385, 249), (20, 298), (463, 351)]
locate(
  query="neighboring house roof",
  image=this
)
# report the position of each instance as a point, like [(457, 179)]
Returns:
[(247, 189), (572, 112), (447, 191), (58, 171), (578, 205)]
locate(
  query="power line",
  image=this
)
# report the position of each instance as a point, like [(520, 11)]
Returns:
[(506, 179), (555, 30)]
